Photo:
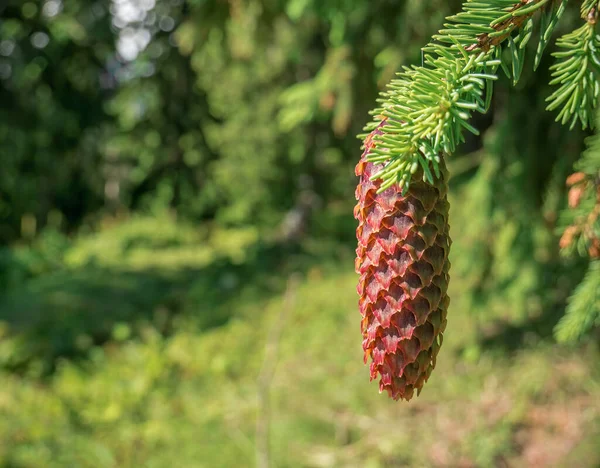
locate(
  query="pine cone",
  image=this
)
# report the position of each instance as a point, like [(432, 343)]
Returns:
[(402, 260)]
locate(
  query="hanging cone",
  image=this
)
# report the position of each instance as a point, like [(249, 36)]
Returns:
[(402, 260)]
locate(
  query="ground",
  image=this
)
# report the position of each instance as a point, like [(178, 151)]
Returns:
[(161, 388)]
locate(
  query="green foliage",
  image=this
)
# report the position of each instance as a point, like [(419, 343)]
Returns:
[(548, 22), (49, 69), (44, 255), (426, 111), (138, 272), (231, 113), (152, 207), (428, 107), (509, 248), (583, 310), (577, 74), (191, 397), (580, 226), (581, 222)]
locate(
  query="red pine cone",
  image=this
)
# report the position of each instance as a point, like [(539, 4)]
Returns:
[(402, 260)]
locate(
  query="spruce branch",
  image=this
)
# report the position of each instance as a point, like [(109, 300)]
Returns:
[(426, 111), (548, 21), (518, 14), (580, 223), (583, 309), (428, 108), (577, 71), (589, 10), (581, 235)]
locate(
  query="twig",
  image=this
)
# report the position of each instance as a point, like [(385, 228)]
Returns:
[(267, 372), (485, 41)]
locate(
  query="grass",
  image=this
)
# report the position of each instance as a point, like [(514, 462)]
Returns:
[(119, 388), (191, 397)]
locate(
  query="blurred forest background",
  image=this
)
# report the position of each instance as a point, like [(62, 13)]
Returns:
[(177, 185)]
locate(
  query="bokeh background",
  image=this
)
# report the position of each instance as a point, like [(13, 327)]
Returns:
[(177, 240)]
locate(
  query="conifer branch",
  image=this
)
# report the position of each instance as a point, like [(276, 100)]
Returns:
[(583, 310), (428, 108), (581, 235), (581, 221), (518, 15), (577, 71)]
